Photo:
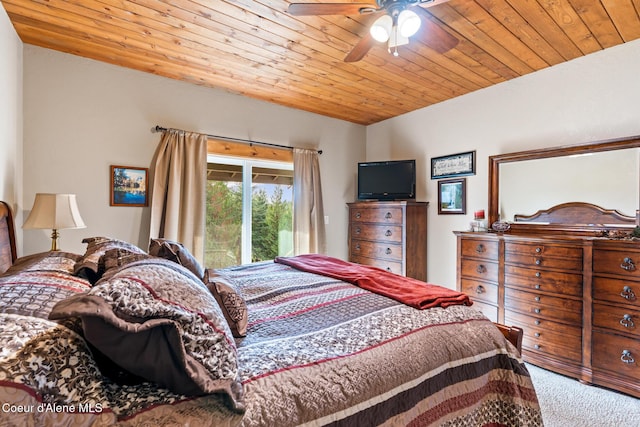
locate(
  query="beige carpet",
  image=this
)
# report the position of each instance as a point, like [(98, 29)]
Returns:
[(565, 402)]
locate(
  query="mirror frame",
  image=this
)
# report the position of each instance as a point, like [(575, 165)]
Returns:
[(569, 150)]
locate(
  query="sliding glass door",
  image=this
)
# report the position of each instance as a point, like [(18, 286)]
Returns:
[(249, 211)]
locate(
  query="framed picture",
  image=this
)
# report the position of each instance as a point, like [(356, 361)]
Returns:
[(453, 165), (452, 197), (129, 186)]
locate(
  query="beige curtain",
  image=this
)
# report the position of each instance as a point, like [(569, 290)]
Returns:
[(178, 195), (308, 213)]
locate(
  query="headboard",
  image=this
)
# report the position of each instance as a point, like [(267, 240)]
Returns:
[(7, 238)]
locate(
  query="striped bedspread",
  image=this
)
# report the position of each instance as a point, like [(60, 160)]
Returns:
[(323, 352)]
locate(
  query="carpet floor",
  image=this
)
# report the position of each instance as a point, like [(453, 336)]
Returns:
[(565, 402)]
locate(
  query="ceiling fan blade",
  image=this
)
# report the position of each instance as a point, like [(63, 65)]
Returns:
[(361, 48), (302, 9), (432, 34)]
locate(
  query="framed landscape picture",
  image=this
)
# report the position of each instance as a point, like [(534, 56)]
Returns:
[(129, 186), (452, 198)]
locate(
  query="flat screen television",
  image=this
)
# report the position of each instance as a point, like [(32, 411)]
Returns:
[(390, 180)]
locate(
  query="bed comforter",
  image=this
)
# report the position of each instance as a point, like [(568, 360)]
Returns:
[(317, 351)]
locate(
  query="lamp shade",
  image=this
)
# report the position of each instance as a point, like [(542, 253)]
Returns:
[(381, 29), (408, 23), (54, 211)]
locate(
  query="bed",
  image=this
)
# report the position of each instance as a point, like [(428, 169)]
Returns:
[(119, 335)]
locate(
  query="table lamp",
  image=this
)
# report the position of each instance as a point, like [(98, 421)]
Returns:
[(54, 211)]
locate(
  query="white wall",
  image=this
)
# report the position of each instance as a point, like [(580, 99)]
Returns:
[(82, 116), (591, 98), (10, 116)]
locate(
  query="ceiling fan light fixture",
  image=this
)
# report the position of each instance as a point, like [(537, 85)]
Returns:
[(381, 29), (408, 23)]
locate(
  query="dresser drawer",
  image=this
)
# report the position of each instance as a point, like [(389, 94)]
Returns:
[(543, 261), (390, 251), (484, 249), (617, 291), (540, 305), (480, 291), (386, 233), (543, 280), (393, 267), (385, 215), (543, 249), (548, 337), (617, 319), (618, 262), (618, 354), (479, 270)]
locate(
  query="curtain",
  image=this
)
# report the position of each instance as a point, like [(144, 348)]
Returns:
[(178, 195), (308, 212)]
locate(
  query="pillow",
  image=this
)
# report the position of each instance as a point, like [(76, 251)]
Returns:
[(176, 252), (35, 283), (91, 265), (156, 320), (233, 305)]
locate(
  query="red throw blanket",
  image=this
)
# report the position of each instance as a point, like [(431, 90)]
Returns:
[(412, 292)]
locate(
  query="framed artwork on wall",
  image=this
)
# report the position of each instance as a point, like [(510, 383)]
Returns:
[(452, 197), (129, 186), (460, 164)]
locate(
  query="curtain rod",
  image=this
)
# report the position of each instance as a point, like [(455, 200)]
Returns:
[(226, 138)]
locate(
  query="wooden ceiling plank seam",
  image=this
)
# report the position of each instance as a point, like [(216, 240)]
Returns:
[(480, 46), (504, 12), (625, 18), (536, 16), (566, 17), (595, 17), (266, 92), (481, 18)]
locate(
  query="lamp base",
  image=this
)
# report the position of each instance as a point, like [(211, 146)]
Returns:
[(54, 240)]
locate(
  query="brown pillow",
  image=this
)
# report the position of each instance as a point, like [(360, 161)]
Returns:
[(157, 321), (233, 305), (176, 252), (91, 266)]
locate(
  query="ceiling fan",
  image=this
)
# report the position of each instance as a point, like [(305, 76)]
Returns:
[(397, 21)]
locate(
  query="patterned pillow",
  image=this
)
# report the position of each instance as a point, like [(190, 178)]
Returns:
[(232, 304), (156, 320), (176, 252), (91, 266), (35, 283)]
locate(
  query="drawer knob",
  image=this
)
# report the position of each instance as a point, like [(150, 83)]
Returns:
[(387, 215), (388, 251), (538, 250), (537, 299), (537, 335), (480, 248), (536, 310), (358, 215), (627, 357), (357, 230), (538, 261), (627, 321), (628, 264), (627, 293), (538, 274), (537, 346), (481, 269), (480, 289), (357, 246), (537, 322), (537, 286), (387, 233), (388, 269)]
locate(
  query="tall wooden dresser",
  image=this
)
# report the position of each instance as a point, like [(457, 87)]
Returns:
[(576, 295), (390, 235)]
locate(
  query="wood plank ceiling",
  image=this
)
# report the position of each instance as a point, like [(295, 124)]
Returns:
[(257, 49)]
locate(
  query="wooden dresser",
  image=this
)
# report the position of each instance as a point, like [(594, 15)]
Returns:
[(577, 297), (390, 235)]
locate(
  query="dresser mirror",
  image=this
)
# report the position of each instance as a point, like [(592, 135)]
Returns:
[(604, 173)]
